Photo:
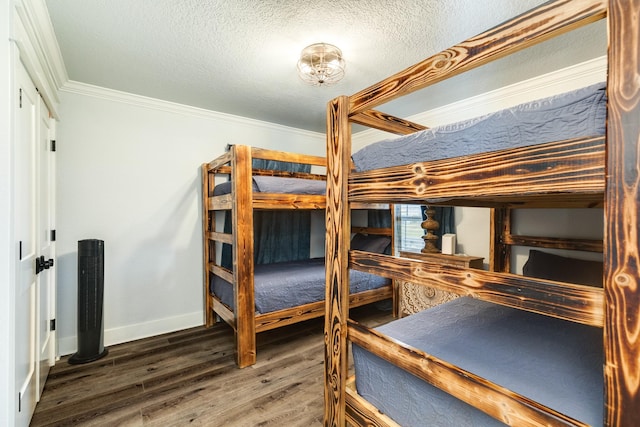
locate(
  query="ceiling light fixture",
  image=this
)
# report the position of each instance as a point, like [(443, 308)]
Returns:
[(321, 64)]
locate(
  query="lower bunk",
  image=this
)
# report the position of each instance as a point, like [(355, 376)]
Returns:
[(284, 293), (293, 291), (541, 360)]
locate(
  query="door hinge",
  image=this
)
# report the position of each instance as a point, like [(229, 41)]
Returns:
[(20, 97), (52, 324), (53, 145), (53, 235)]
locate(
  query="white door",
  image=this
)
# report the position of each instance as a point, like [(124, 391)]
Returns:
[(35, 291), (26, 220), (45, 281)]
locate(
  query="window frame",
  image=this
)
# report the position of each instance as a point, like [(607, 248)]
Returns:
[(408, 232)]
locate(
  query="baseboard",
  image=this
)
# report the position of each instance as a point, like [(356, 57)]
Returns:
[(69, 345)]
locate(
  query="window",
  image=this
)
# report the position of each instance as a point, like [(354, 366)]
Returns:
[(408, 231)]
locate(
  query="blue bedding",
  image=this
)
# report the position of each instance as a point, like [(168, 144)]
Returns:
[(289, 284), (278, 184), (579, 113), (554, 362)]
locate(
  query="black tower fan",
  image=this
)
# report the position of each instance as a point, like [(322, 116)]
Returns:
[(90, 296)]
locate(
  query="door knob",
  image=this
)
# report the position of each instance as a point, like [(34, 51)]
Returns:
[(42, 264)]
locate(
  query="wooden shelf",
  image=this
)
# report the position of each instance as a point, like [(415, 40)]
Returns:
[(456, 260)]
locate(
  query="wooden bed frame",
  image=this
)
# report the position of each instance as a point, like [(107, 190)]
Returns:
[(242, 201), (585, 172)]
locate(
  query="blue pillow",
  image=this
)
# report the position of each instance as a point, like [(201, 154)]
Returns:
[(370, 243), (544, 265)]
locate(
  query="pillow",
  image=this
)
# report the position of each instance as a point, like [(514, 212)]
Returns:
[(544, 265), (370, 243)]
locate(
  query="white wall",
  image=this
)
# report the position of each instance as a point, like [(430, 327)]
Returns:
[(472, 232), (128, 173)]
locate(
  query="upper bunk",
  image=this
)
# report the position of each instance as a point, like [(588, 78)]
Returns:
[(557, 173), (587, 171), (264, 187)]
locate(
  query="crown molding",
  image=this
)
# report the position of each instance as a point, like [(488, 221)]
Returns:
[(172, 107), (39, 50), (52, 57)]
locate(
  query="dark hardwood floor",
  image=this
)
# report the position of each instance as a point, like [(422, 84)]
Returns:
[(190, 378)]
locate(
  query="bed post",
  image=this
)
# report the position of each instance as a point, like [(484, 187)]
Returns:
[(243, 256), (622, 202), (207, 252), (338, 225), (396, 310), (500, 253)]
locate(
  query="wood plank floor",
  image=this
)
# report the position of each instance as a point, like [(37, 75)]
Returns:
[(190, 378)]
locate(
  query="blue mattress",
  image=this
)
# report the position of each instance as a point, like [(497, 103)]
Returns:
[(278, 184), (554, 362), (579, 113), (288, 284)]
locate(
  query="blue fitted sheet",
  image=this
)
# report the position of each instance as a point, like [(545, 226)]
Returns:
[(289, 284), (574, 114), (278, 184), (554, 362)]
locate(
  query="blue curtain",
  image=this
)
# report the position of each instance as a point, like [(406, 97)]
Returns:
[(278, 235), (379, 218), (445, 217), (281, 236)]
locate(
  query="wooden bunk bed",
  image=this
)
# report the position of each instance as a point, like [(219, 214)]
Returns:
[(582, 172), (237, 296)]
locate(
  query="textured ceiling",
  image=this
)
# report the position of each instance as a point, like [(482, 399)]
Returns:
[(239, 57)]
